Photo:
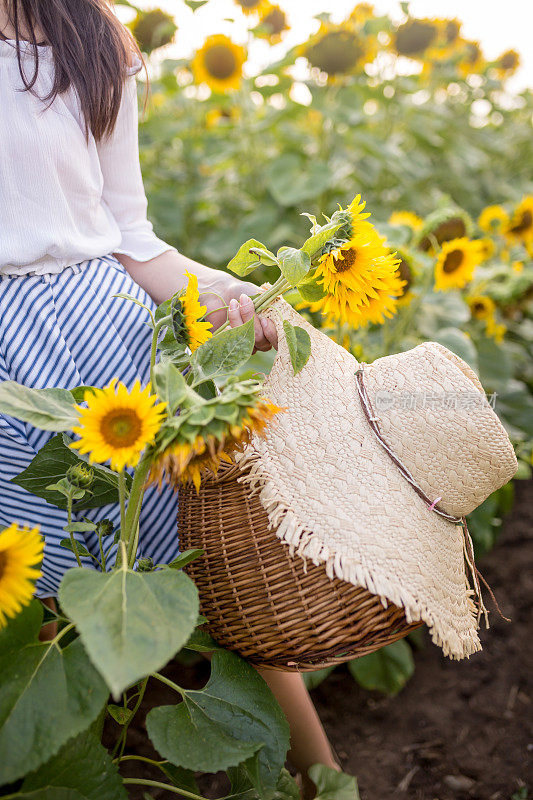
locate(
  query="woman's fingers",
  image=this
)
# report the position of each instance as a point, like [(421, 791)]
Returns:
[(243, 311)]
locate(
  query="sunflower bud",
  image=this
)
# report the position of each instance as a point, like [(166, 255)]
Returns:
[(80, 476), (145, 564), (105, 527)]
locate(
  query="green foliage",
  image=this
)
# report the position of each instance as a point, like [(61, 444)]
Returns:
[(225, 724), (299, 344), (170, 385), (246, 260), (294, 264), (50, 464), (130, 623), (224, 354), (82, 769), (386, 670), (48, 409), (332, 785), (48, 695)]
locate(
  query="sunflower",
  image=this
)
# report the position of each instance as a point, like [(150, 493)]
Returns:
[(443, 225), (117, 425), (493, 219), (488, 248), (456, 263), (253, 6), (21, 551), (406, 273), (219, 63), (153, 29), (357, 272), (495, 330), (481, 306), (517, 266), (520, 226), (507, 64), (413, 37), (199, 447), (362, 12), (406, 218), (336, 49), (445, 46), (273, 23), (187, 314), (471, 60)]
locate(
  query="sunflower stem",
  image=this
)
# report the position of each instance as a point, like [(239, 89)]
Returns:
[(263, 300), (134, 504), (70, 533), (165, 322), (122, 498), (167, 786)]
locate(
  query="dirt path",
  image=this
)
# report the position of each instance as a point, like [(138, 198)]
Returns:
[(458, 730)]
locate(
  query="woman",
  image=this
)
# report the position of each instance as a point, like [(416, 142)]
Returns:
[(73, 233)]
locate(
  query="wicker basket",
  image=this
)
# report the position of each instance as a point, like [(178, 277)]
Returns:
[(271, 608)]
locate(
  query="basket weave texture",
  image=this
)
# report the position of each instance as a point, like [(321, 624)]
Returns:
[(274, 609)]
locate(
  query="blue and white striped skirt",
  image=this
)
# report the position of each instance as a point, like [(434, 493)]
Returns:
[(67, 330)]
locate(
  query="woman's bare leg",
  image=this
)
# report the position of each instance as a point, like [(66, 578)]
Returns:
[(50, 630), (309, 742)]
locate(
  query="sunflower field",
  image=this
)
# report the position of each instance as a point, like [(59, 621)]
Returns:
[(408, 113)]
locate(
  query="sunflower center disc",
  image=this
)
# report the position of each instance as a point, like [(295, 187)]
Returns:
[(220, 62), (343, 265), (121, 428), (453, 261), (525, 223)]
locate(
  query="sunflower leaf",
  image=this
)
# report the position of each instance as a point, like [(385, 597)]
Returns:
[(32, 725), (245, 261), (48, 409), (111, 609), (170, 385), (294, 264), (185, 558), (333, 785), (299, 344), (311, 290), (316, 242), (80, 549), (49, 466), (225, 353)]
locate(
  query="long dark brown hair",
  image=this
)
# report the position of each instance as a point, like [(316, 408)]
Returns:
[(91, 49)]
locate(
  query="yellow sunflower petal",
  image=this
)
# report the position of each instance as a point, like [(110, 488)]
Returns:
[(21, 551)]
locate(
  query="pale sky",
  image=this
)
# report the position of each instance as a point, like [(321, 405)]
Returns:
[(497, 24)]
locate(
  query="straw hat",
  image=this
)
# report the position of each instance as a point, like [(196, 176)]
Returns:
[(371, 468)]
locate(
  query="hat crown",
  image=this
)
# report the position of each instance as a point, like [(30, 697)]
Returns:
[(433, 413)]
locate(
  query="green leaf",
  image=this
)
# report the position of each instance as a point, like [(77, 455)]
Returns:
[(245, 261), (48, 695), (82, 766), (50, 465), (291, 179), (266, 257), (80, 527), (119, 713), (201, 642), (78, 393), (130, 623), (333, 785), (80, 549), (495, 367), (311, 290), (224, 724), (314, 679), (299, 344), (185, 558), (225, 353), (170, 385), (48, 409), (294, 264), (387, 670), (194, 5), (182, 778), (316, 242), (50, 793)]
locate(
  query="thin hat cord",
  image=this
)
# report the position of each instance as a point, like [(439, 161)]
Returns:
[(468, 549)]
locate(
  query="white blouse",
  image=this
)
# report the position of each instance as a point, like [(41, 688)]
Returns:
[(64, 199)]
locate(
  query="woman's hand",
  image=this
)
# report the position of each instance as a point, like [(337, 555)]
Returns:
[(225, 290)]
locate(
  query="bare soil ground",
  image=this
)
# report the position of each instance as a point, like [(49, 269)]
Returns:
[(458, 731)]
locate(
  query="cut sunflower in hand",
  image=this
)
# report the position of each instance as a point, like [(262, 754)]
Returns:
[(457, 262), (206, 432), (21, 552), (117, 424), (189, 326), (359, 278), (219, 63)]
